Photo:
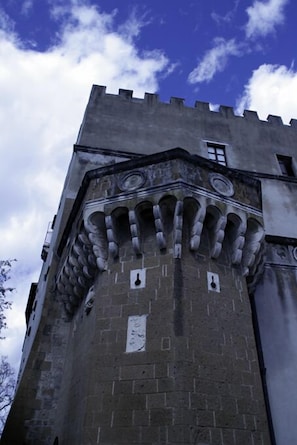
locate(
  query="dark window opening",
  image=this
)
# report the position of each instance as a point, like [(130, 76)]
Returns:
[(285, 164), (216, 153)]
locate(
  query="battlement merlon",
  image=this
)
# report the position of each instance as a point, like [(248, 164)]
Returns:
[(146, 126)]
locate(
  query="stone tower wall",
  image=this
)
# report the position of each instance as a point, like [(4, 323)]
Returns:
[(195, 378), (146, 334), (161, 348)]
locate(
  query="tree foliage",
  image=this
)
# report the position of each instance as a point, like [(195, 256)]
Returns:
[(5, 303), (7, 373), (7, 386)]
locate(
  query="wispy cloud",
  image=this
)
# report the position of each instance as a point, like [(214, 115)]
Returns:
[(270, 90), (6, 24), (228, 17), (26, 6), (263, 17), (215, 60)]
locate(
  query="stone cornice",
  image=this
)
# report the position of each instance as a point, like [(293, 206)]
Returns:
[(173, 187), (151, 160)]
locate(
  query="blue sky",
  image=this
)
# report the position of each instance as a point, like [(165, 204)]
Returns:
[(233, 52), (209, 49)]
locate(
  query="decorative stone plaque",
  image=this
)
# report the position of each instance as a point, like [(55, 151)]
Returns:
[(136, 333), (213, 282), (221, 184), (137, 278)]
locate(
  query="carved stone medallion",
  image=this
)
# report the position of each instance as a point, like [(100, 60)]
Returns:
[(221, 184), (132, 180)]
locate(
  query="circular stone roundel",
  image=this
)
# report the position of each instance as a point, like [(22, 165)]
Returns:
[(221, 184), (132, 180)]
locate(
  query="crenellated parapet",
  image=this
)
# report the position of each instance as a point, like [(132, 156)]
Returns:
[(183, 199), (151, 100)]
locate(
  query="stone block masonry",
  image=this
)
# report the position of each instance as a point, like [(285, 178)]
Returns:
[(196, 378), (166, 352), (204, 385)]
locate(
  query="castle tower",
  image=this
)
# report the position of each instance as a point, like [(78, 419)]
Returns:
[(143, 326)]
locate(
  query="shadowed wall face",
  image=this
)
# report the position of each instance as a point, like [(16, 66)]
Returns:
[(275, 300)]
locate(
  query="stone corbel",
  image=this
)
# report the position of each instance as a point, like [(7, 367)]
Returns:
[(197, 226), (252, 248), (66, 290), (256, 271), (82, 258), (217, 236), (238, 239), (97, 240), (96, 230), (135, 233), (77, 273), (177, 229), (160, 235), (113, 247)]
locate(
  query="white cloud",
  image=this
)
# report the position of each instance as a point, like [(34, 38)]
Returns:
[(271, 90), (43, 97), (214, 60), (264, 17)]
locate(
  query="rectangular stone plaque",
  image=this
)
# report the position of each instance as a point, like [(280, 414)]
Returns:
[(136, 333)]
